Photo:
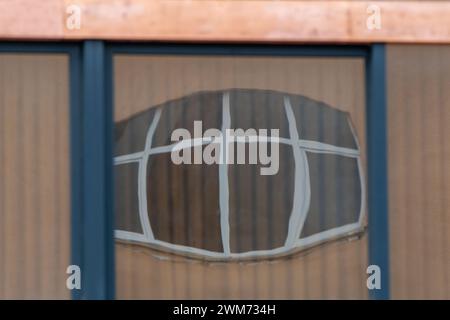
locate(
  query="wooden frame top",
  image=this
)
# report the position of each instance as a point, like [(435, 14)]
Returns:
[(227, 21)]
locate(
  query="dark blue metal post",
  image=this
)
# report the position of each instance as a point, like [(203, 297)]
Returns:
[(76, 163), (377, 168), (97, 224)]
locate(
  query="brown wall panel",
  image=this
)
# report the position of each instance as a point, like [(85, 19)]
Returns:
[(333, 270), (418, 79), (34, 171)]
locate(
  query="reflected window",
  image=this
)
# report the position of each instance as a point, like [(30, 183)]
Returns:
[(231, 210)]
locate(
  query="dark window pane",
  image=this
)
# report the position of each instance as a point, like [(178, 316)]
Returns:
[(181, 113), (258, 109), (260, 205), (126, 198), (319, 122), (335, 192), (130, 134), (183, 203)]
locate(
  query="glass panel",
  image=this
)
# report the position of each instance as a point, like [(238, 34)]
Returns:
[(34, 171), (181, 113), (260, 205), (126, 197), (258, 109), (332, 176), (130, 134), (183, 203), (320, 122), (218, 227)]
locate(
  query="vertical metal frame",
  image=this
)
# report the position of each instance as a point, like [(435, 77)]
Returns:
[(377, 167), (97, 176)]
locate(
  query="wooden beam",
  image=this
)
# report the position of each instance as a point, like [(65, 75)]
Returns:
[(27, 19), (227, 20)]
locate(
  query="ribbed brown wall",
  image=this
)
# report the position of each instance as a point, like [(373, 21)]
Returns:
[(34, 176), (334, 270), (418, 79), (34, 186)]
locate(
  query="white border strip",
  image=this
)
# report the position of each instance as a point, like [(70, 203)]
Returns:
[(223, 177), (327, 234), (128, 235), (142, 176), (299, 244), (301, 185), (128, 158), (320, 147), (362, 210)]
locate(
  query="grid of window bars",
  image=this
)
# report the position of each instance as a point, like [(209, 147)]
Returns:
[(302, 188)]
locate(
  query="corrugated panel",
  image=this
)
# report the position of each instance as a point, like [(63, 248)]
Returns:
[(34, 171), (418, 79)]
